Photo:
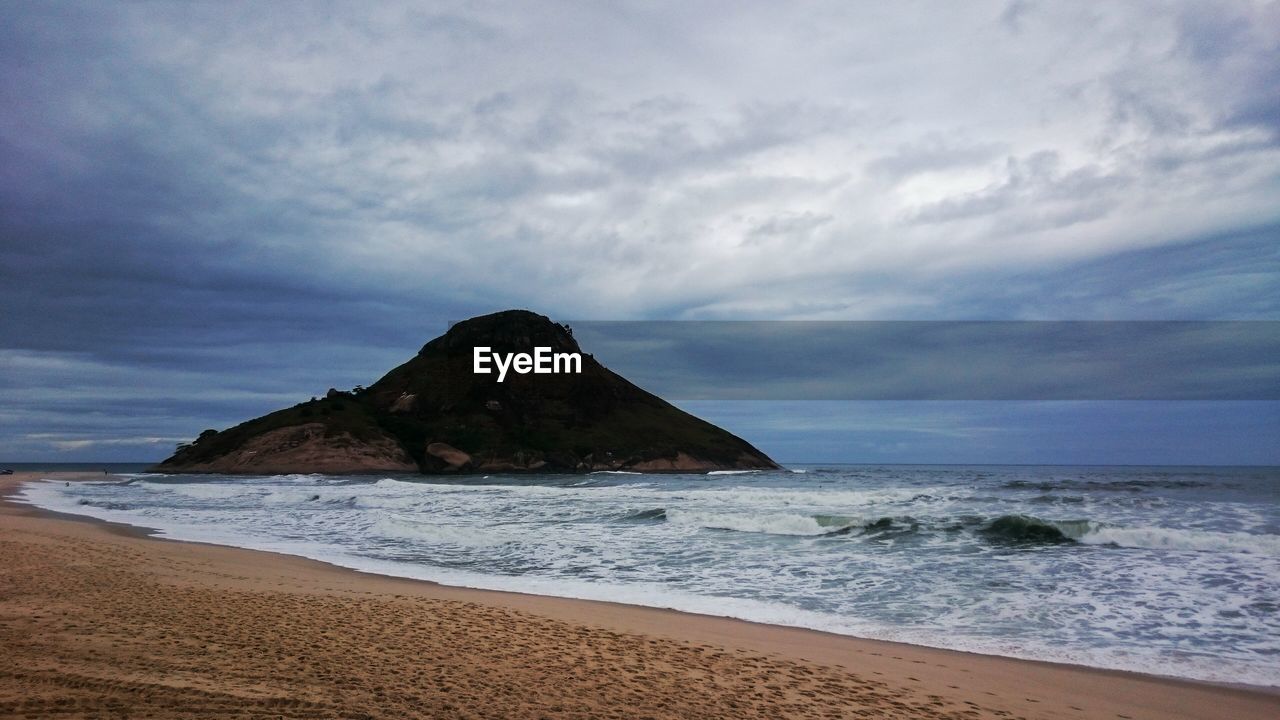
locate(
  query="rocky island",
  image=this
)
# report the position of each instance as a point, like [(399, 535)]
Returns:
[(434, 415)]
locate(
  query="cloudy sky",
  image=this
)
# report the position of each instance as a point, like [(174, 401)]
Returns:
[(210, 210)]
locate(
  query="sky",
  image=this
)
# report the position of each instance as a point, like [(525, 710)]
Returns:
[(212, 210)]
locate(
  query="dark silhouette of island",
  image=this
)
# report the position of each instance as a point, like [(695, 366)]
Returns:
[(434, 415)]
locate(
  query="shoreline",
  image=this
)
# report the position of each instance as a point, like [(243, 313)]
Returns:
[(394, 570), (926, 681), (132, 530)]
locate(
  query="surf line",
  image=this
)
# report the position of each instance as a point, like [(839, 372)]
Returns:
[(541, 362)]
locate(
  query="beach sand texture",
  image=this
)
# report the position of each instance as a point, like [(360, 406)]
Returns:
[(97, 620)]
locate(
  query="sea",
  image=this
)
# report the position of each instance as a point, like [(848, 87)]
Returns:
[(1166, 570)]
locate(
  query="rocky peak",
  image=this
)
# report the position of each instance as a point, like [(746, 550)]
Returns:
[(507, 331), (434, 413)]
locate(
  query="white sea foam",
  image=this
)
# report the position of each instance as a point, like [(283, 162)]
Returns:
[(763, 496), (293, 496), (403, 484), (433, 533), (1158, 538), (390, 501), (769, 523), (298, 477), (200, 491)]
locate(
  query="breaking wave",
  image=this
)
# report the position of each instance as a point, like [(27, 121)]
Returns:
[(1129, 485), (1028, 529), (1001, 530), (1024, 529), (767, 523), (651, 514), (1157, 538)]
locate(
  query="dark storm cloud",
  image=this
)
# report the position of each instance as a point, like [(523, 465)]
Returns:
[(831, 360), (1035, 433), (1234, 276), (1242, 54), (139, 225)]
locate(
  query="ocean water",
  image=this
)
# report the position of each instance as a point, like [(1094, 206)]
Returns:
[(1174, 571)]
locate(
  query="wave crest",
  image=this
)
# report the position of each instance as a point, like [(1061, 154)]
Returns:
[(1157, 538), (1024, 529), (766, 523)]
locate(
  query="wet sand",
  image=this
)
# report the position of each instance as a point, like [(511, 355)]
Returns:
[(100, 620)]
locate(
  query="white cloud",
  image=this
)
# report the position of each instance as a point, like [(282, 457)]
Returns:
[(620, 160)]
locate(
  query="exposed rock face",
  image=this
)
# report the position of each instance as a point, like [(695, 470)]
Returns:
[(301, 448), (433, 414), (680, 463), (449, 458)]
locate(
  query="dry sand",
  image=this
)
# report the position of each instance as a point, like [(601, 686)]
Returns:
[(98, 620)]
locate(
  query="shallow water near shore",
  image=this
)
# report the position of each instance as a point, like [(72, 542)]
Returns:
[(1173, 571)]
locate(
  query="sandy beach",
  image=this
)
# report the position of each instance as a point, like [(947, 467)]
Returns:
[(100, 620)]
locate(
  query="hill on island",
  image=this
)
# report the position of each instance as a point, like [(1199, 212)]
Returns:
[(434, 414)]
